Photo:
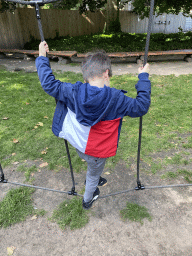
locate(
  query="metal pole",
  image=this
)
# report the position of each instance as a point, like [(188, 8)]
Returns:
[(139, 186), (71, 169), (37, 10)]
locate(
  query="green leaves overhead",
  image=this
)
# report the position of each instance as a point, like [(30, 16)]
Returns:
[(142, 7)]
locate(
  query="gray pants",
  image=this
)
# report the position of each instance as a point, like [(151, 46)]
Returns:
[(95, 166)]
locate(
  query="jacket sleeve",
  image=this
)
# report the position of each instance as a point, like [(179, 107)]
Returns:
[(139, 106), (51, 86)]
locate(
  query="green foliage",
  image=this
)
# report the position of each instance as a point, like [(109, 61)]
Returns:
[(70, 213), (82, 5), (142, 7), (135, 212), (114, 26), (16, 206), (116, 42), (63, 4), (91, 5), (7, 6)]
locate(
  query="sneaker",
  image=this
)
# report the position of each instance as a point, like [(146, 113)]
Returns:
[(102, 181), (88, 205)]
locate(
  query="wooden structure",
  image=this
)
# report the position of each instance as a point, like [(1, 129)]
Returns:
[(73, 56)]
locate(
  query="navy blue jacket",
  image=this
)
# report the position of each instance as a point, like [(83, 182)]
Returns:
[(89, 117)]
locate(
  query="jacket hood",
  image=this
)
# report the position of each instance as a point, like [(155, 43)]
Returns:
[(91, 103)]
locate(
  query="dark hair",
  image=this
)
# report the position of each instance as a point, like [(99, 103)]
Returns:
[(95, 64)]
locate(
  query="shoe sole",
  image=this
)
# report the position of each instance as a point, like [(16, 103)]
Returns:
[(92, 201)]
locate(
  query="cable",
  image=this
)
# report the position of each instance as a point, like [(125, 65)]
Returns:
[(37, 187), (2, 180), (150, 187)]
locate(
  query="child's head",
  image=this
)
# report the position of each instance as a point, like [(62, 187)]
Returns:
[(95, 64)]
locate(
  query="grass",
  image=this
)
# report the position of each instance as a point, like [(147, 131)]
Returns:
[(118, 42), (24, 105), (17, 206), (26, 113), (187, 175), (28, 172), (70, 213), (135, 212), (188, 144)]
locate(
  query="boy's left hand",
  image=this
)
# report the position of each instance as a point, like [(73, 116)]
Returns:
[(43, 49)]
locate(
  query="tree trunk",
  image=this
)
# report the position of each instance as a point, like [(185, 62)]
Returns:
[(111, 12)]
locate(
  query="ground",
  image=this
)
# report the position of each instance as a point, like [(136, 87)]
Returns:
[(169, 232)]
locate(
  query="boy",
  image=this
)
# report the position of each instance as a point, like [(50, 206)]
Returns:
[(89, 115)]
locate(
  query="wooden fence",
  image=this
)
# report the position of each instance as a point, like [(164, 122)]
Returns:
[(16, 29)]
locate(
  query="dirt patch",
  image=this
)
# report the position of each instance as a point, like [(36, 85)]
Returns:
[(169, 232)]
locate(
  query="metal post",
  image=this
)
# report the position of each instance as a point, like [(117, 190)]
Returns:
[(37, 10), (139, 186)]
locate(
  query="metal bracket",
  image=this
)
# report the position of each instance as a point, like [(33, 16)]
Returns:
[(2, 179), (37, 11), (139, 186), (72, 192)]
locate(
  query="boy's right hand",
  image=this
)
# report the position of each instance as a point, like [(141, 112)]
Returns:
[(144, 69), (43, 49)]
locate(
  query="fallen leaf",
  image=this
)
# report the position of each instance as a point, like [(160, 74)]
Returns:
[(107, 173), (10, 250), (83, 160), (15, 141), (35, 126), (43, 164), (13, 154), (46, 117), (27, 103), (43, 152), (124, 120), (5, 118), (16, 163), (34, 217), (169, 158), (40, 124)]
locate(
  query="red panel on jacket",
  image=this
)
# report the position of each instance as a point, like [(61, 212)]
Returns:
[(103, 139)]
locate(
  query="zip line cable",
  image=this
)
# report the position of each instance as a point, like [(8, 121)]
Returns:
[(36, 4)]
